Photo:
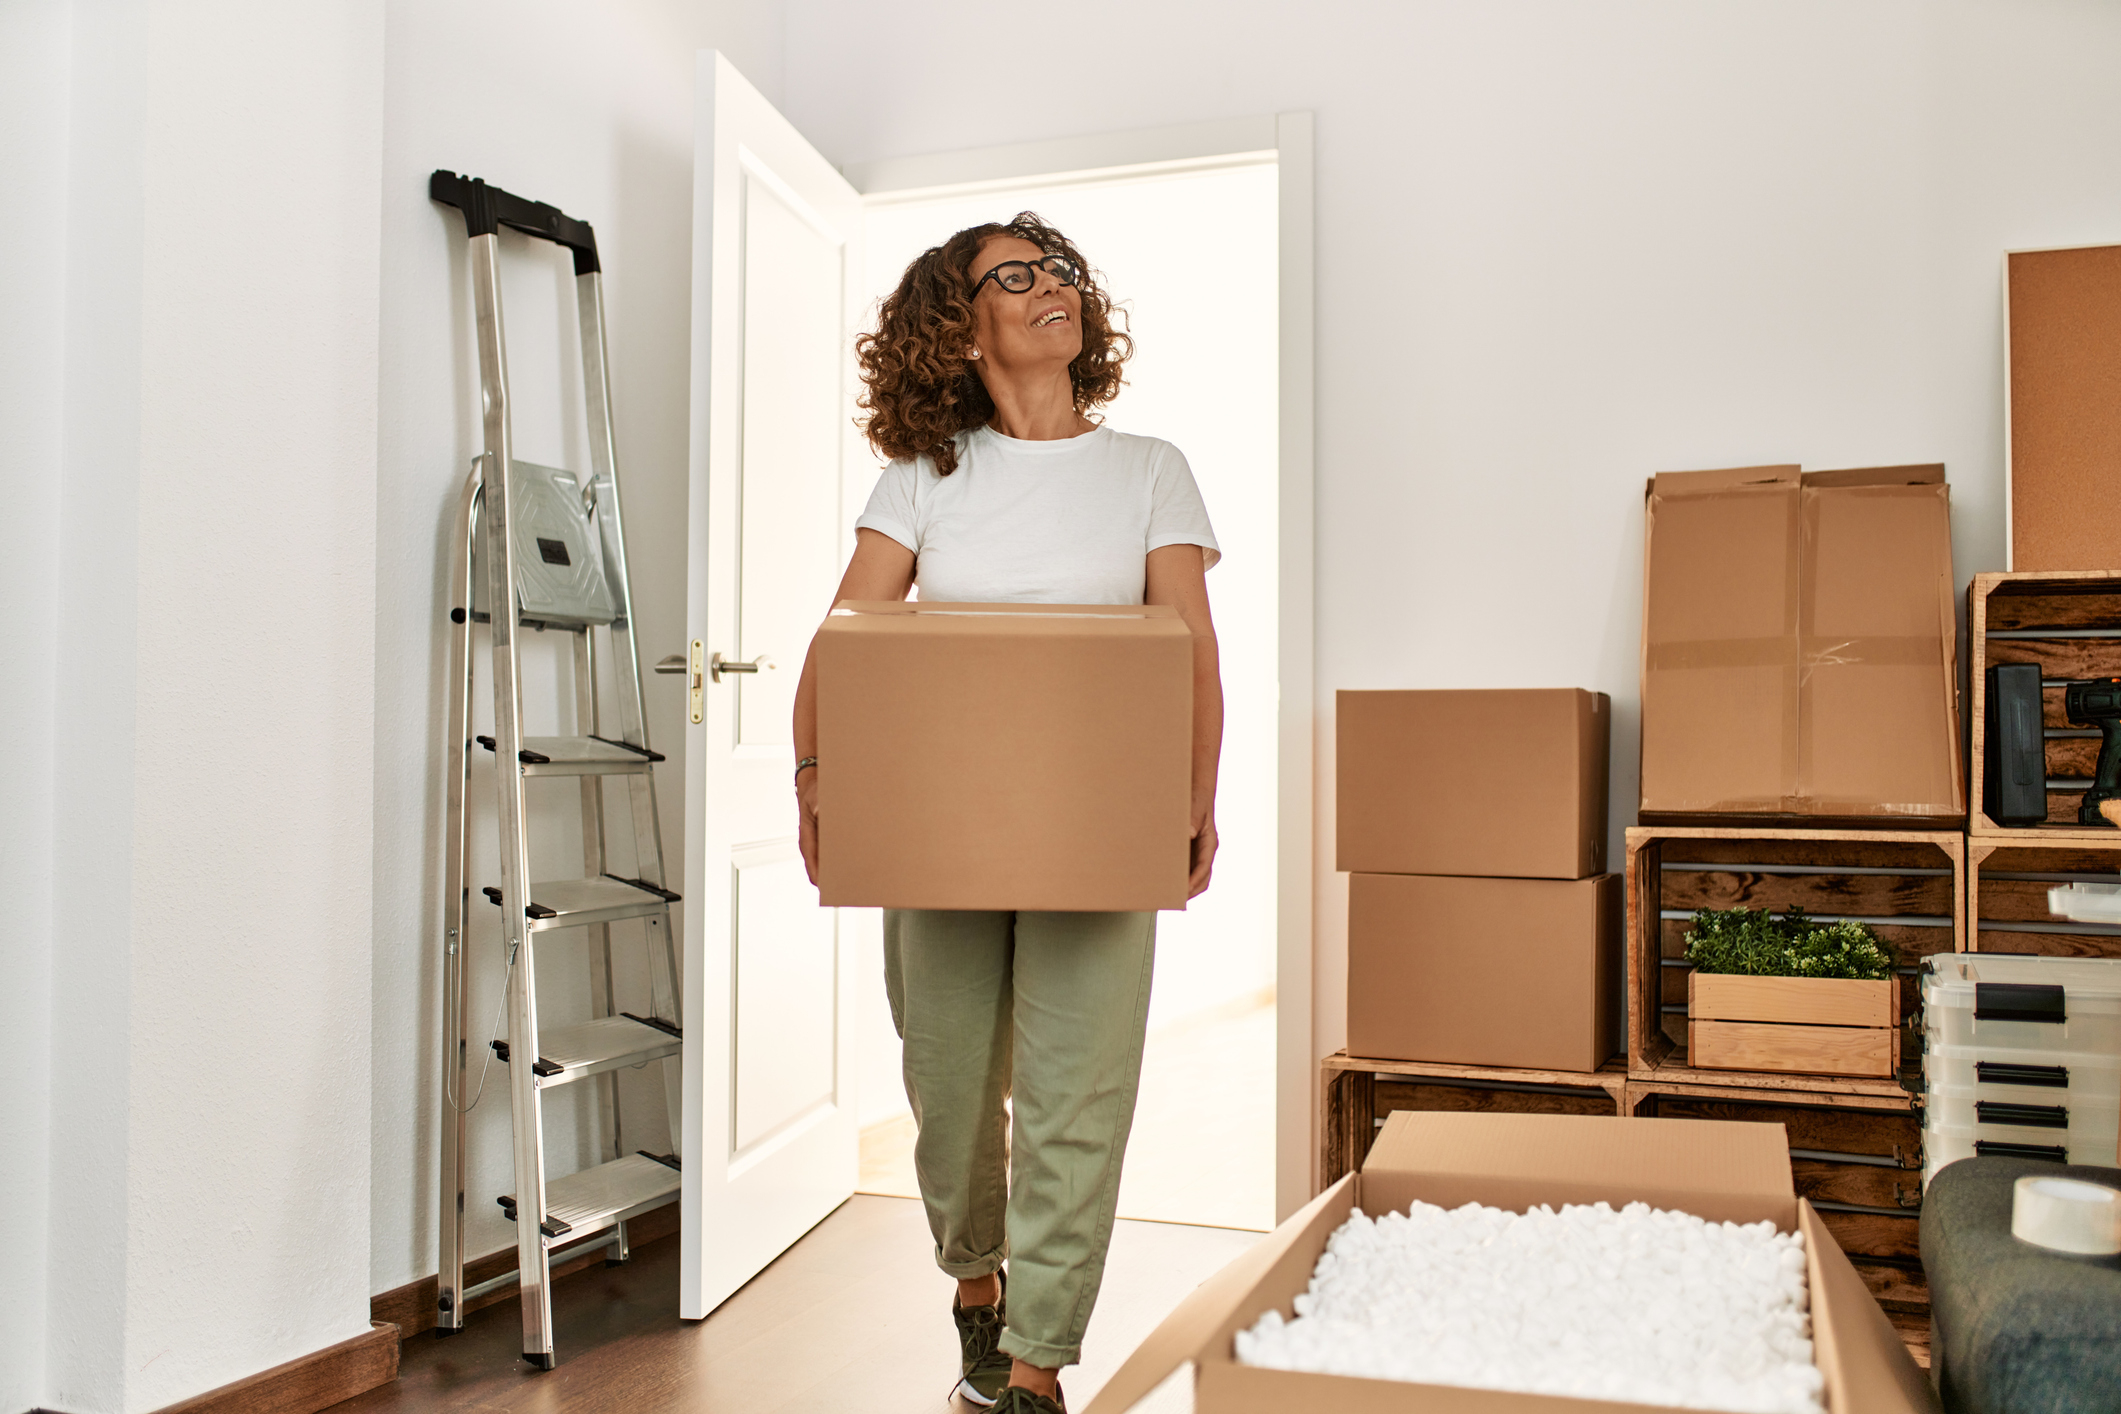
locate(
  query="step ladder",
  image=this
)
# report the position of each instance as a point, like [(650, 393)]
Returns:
[(550, 544)]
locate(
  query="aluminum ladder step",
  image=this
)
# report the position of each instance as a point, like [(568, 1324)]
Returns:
[(567, 1053), (581, 756), (575, 903), (595, 1198)]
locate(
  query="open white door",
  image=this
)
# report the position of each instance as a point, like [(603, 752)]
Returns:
[(770, 1137)]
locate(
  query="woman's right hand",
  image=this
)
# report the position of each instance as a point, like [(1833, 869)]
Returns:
[(806, 818)]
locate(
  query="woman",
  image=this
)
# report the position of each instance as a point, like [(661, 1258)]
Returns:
[(985, 365)]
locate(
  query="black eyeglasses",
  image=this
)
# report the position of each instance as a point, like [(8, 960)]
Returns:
[(1017, 276)]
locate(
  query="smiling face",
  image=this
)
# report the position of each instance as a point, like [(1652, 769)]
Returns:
[(1041, 326)]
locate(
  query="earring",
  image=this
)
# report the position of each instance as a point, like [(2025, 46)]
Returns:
[(973, 354)]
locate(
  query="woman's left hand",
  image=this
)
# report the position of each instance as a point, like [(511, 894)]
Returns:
[(1203, 848), (1176, 575), (806, 819)]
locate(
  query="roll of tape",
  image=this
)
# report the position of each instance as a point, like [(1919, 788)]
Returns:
[(2067, 1215)]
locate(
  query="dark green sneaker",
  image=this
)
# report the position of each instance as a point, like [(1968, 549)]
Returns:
[(979, 1333), (1017, 1400)]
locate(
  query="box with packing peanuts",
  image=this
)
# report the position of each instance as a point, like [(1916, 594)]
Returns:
[(1720, 1171), (1508, 782), (1004, 756), (1799, 646), (1505, 972)]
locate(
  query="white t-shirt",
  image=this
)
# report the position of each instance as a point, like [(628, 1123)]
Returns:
[(1063, 522)]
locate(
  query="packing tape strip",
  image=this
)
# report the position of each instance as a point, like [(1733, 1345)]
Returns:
[(1803, 651), (1780, 651), (2067, 1215), (1874, 651)]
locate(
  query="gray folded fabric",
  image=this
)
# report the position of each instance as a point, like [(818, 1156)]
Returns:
[(2018, 1329)]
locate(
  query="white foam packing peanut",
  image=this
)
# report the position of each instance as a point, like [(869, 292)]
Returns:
[(1640, 1306)]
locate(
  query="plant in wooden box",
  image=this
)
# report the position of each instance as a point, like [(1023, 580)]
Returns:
[(1790, 994)]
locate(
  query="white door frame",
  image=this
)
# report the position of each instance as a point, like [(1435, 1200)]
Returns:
[(1286, 137)]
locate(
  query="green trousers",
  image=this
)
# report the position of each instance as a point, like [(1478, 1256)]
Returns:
[(1046, 1010)]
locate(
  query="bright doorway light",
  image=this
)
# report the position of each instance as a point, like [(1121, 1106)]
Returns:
[(1191, 257)]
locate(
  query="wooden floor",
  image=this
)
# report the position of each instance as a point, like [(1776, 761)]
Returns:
[(853, 1316)]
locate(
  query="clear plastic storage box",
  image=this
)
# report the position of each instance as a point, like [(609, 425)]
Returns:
[(2050, 1119), (2000, 1002), (1944, 1143), (2073, 1078)]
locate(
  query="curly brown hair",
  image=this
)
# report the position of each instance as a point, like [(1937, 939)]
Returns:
[(920, 388)]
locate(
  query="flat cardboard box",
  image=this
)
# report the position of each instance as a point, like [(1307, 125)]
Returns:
[(1508, 782), (2063, 454), (1004, 756), (1718, 1170), (1508, 972), (1799, 646)]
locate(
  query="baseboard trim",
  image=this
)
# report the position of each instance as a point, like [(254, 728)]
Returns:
[(411, 1307), (307, 1383)]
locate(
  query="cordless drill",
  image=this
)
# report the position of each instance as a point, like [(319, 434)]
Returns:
[(2097, 702)]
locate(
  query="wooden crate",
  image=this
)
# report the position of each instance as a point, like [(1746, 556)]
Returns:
[(2070, 624), (1857, 1157), (1358, 1093), (1797, 1025), (2007, 879), (1907, 884)]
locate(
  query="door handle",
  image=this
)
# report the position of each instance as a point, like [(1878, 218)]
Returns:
[(675, 663), (717, 665)]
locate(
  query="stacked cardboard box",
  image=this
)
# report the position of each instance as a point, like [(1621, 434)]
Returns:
[(1482, 928), (1799, 648)]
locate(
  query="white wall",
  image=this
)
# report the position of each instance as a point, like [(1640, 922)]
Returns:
[(590, 111), (35, 40), (196, 459), (1561, 246)]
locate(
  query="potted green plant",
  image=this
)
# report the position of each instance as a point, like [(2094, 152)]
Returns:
[(1790, 994)]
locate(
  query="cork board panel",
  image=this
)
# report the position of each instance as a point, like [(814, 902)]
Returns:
[(2065, 409)]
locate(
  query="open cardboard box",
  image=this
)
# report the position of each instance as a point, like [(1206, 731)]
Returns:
[(1722, 1171)]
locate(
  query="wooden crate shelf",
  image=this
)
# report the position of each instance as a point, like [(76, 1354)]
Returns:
[(1859, 1160), (1358, 1092), (2005, 615), (2007, 879), (1909, 885)]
